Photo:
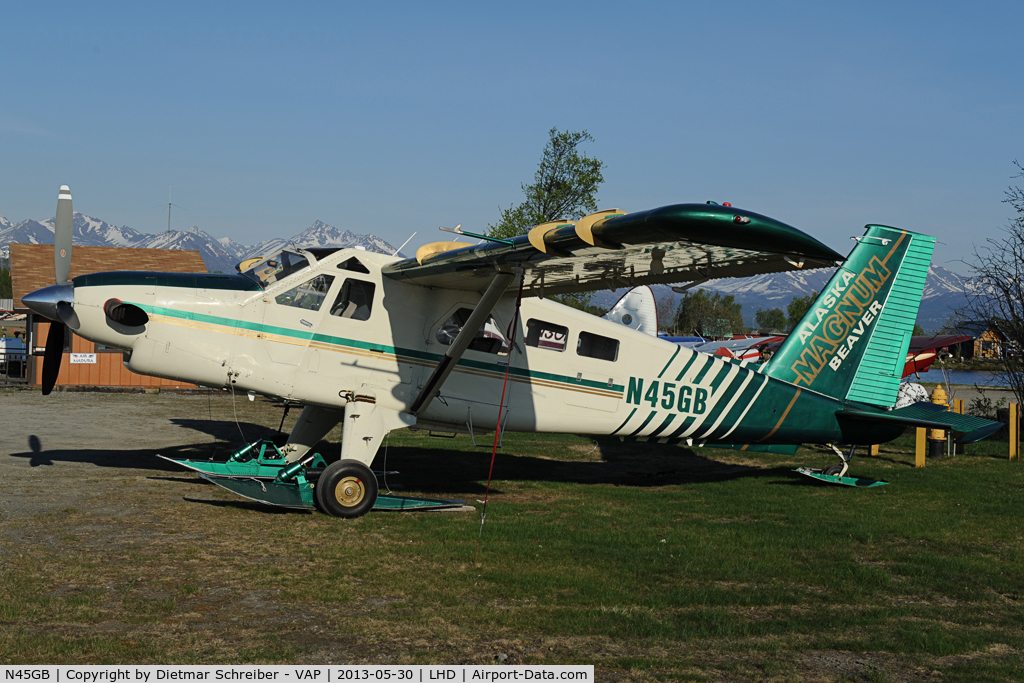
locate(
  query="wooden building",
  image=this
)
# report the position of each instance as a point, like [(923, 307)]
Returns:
[(86, 363), (988, 341)]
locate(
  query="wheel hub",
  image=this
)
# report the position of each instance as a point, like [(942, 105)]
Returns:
[(349, 491)]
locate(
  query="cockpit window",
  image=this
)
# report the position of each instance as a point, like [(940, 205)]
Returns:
[(276, 267)]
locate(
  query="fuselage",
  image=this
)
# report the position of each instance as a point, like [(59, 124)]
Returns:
[(337, 328)]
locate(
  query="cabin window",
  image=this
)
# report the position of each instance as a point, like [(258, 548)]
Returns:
[(354, 265), (488, 339), (596, 346), (307, 296), (355, 301), (545, 335)]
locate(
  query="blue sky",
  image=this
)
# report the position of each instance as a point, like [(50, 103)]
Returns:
[(398, 117)]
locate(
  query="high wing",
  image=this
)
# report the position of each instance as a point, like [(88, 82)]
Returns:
[(610, 249)]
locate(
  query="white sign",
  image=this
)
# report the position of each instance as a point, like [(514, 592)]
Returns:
[(83, 358)]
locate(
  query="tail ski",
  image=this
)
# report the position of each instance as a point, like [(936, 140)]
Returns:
[(636, 310), (852, 343)]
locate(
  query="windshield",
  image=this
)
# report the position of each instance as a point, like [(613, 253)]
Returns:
[(276, 267)]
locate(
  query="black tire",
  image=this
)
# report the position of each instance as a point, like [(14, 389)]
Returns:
[(833, 470), (347, 489)]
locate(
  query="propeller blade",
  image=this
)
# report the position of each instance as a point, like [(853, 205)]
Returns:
[(62, 235), (53, 356)]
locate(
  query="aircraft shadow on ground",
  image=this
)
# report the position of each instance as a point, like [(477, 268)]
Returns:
[(135, 459), (638, 465), (226, 433), (230, 431), (438, 470)]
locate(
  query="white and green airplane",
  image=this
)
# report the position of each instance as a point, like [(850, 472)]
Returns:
[(380, 343)]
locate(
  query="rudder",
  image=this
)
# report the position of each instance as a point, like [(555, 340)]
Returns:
[(852, 343)]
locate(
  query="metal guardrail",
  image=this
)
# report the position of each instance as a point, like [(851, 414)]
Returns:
[(13, 367)]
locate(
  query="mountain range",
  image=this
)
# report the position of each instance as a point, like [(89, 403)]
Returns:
[(218, 254), (943, 292)]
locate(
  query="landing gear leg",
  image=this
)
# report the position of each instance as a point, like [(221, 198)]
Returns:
[(840, 469), (313, 424)]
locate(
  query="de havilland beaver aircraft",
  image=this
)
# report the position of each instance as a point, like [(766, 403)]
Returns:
[(382, 343)]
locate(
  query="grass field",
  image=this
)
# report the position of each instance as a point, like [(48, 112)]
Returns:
[(651, 562)]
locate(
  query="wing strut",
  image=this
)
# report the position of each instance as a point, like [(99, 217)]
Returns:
[(451, 358)]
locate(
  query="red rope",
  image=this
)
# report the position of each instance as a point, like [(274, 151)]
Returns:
[(510, 335)]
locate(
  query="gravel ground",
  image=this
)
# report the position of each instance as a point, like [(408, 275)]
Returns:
[(51, 442)]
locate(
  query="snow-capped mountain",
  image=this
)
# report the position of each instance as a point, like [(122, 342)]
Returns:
[(231, 246), (26, 232), (320, 235), (215, 256), (92, 232), (943, 292), (218, 254)]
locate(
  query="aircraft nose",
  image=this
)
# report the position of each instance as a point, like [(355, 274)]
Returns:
[(47, 301)]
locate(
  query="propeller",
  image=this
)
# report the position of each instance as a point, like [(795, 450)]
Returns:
[(62, 238), (53, 355), (62, 235)]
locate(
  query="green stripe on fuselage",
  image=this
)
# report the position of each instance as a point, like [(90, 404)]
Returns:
[(370, 346)]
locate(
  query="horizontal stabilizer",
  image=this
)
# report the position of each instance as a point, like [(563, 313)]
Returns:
[(930, 416)]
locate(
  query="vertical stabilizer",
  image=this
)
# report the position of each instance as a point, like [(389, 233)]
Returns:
[(852, 343)]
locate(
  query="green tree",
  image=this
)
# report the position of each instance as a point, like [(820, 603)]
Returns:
[(918, 331), (5, 280), (797, 308), (770, 319), (709, 315), (665, 306), (564, 187)]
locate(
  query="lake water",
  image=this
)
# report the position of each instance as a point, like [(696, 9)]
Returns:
[(968, 377)]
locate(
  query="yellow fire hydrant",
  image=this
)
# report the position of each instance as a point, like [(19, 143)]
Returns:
[(937, 437)]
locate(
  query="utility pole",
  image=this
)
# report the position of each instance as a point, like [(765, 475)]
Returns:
[(168, 209)]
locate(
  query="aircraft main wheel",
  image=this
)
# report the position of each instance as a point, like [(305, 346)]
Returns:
[(347, 488), (833, 470)]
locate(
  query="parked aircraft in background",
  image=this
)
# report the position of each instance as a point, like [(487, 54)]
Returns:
[(925, 350), (382, 343)]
